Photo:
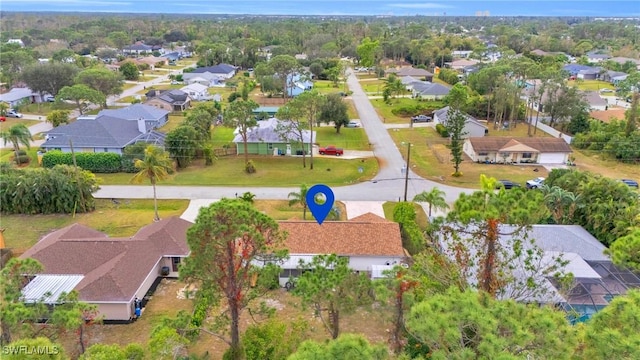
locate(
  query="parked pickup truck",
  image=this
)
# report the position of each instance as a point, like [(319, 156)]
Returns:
[(331, 150), (421, 118)]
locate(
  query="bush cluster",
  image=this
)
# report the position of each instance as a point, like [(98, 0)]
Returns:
[(442, 130), (94, 162), (412, 237)]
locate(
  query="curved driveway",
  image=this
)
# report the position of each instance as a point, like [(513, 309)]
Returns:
[(388, 184)]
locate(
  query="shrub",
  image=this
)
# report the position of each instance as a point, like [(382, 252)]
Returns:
[(442, 130), (22, 159), (22, 152), (94, 162), (250, 167)]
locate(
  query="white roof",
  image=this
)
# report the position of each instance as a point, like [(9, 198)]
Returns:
[(16, 94), (48, 288), (196, 87)]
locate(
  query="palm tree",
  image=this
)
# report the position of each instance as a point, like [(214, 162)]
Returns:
[(16, 135), (435, 199), (300, 198), (3, 108), (155, 166)]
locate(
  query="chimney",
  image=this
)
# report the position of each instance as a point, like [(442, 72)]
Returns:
[(142, 125)]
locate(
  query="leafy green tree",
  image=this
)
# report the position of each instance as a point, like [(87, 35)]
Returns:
[(335, 110), (456, 120), (49, 78), (239, 115), (500, 259), (393, 85), (613, 332), (101, 79), (64, 55), (58, 117), (16, 135), (13, 61), (82, 95), (103, 352), (273, 339), (15, 315), (48, 350), (465, 325), (75, 315), (561, 203), (227, 237), (130, 71), (435, 199), (182, 143), (602, 199), (332, 288), (449, 76), (3, 108), (368, 51), (626, 250), (284, 67), (166, 344), (293, 126), (345, 347), (119, 39), (300, 197), (155, 166), (200, 119), (404, 213)]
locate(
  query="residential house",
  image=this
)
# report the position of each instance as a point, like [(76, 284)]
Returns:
[(270, 111), (529, 150), (472, 127), (596, 57), (417, 73), (614, 77), (624, 60), (197, 91), (20, 95), (172, 56), (170, 100), (110, 131), (589, 74), (110, 273), (151, 61), (298, 83), (408, 82), (371, 243), (574, 69), (461, 54), (213, 75), (596, 281), (608, 115), (139, 48), (271, 137), (460, 64), (595, 101), (429, 91)]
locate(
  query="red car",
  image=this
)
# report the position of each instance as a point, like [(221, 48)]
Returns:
[(3, 119), (331, 150)]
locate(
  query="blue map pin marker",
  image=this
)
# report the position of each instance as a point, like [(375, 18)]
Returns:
[(320, 211)]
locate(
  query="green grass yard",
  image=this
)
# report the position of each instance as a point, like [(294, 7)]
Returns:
[(348, 138), (271, 171), (591, 85), (385, 111)]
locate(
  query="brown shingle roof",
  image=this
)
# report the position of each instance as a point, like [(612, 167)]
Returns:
[(365, 235), (113, 268), (542, 144), (607, 115)]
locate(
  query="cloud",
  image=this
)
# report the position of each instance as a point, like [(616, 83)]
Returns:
[(420, 6)]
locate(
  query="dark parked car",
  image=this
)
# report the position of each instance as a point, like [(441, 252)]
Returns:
[(631, 183), (507, 184), (421, 118)]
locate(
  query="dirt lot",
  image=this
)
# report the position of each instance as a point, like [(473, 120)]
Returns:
[(165, 302)]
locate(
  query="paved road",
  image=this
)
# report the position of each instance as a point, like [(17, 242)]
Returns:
[(388, 185)]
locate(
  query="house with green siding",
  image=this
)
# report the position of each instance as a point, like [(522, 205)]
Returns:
[(275, 137)]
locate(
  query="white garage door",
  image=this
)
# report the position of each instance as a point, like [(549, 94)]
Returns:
[(552, 158)]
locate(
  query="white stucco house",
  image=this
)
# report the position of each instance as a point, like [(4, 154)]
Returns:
[(528, 150)]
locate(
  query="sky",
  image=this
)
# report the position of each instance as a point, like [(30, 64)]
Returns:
[(592, 8)]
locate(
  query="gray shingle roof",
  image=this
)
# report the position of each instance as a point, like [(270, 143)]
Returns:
[(104, 131), (427, 88), (216, 69), (135, 112), (443, 115)]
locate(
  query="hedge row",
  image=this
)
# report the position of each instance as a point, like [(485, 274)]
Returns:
[(413, 239), (94, 162), (442, 130)]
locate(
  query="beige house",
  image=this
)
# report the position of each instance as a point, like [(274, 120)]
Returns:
[(505, 150), (107, 272)]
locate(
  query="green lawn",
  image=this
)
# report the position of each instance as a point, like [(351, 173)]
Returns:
[(271, 171), (327, 87), (385, 110), (126, 86), (22, 231), (348, 138), (431, 159), (221, 135), (174, 122), (130, 99), (591, 85), (5, 125), (45, 108), (373, 87)]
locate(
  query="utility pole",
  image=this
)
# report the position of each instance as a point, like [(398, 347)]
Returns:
[(406, 173), (75, 166)]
